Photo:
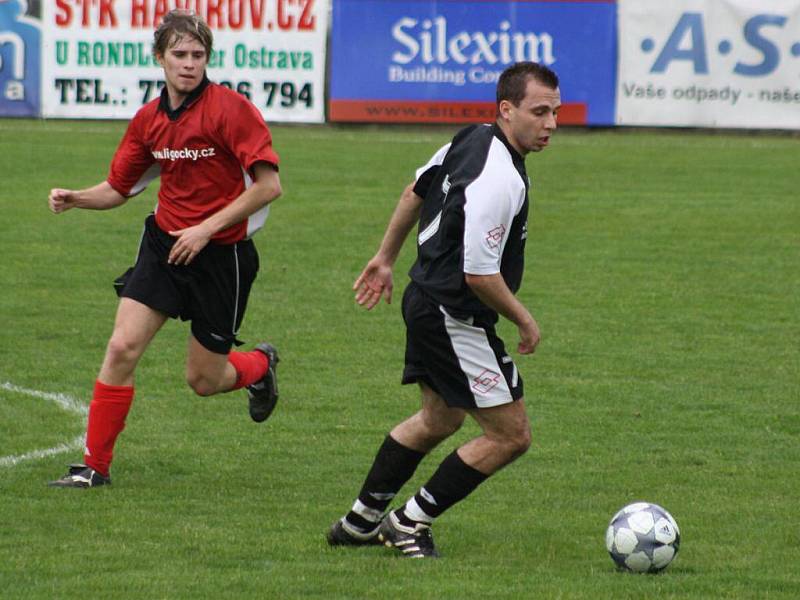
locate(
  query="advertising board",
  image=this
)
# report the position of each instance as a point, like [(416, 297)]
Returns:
[(97, 60), (728, 63), (20, 43), (439, 61)]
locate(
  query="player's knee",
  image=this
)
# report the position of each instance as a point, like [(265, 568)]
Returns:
[(440, 428), (516, 442), (121, 351), (522, 441), (201, 385)]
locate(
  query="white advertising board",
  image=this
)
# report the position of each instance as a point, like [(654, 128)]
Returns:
[(97, 61), (709, 63)]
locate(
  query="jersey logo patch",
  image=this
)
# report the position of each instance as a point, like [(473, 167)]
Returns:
[(495, 236), (484, 382)]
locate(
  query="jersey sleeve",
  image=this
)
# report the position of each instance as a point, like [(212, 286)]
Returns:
[(247, 135), (426, 173), (492, 202), (133, 166)]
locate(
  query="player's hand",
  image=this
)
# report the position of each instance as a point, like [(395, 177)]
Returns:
[(529, 337), (375, 281), (190, 242), (61, 200)]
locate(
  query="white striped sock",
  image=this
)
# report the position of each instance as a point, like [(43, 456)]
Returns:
[(413, 511), (370, 514)]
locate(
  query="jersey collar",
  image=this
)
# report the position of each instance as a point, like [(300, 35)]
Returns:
[(173, 115), (516, 157)]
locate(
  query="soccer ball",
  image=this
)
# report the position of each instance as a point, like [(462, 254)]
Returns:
[(643, 538)]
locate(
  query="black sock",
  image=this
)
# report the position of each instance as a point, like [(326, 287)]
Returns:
[(453, 481), (392, 468)]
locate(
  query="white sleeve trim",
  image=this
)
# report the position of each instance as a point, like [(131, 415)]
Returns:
[(152, 172), (478, 271), (435, 160)]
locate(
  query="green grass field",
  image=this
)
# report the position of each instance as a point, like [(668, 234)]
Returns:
[(663, 268)]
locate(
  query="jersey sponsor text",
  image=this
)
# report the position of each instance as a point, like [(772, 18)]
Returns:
[(184, 153)]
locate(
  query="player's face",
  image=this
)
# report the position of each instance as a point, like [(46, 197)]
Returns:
[(530, 125), (184, 65)]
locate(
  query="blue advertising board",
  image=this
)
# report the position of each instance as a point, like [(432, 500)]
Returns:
[(20, 47), (439, 61)]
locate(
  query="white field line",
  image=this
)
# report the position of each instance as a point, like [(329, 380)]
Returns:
[(68, 403), (15, 459)]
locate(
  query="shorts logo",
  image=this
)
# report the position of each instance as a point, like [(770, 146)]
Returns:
[(495, 236), (486, 381)]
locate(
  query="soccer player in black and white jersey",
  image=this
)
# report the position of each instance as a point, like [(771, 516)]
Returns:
[(471, 203)]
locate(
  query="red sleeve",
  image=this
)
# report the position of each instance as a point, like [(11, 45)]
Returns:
[(133, 166), (247, 135)]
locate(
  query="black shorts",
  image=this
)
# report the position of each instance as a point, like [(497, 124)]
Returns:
[(461, 360), (211, 291)]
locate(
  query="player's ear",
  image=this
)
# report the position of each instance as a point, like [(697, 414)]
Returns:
[(504, 109), (160, 59)]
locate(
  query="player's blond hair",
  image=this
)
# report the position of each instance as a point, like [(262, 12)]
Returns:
[(176, 25)]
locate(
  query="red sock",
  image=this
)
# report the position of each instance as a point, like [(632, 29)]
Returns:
[(107, 412), (250, 367)]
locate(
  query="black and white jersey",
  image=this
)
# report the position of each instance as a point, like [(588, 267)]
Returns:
[(473, 218)]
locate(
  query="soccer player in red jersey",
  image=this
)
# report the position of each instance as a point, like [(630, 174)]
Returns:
[(196, 261)]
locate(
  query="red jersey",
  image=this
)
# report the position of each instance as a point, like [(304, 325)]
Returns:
[(204, 152)]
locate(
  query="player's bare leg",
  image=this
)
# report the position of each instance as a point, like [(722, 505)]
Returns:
[(506, 436), (395, 463), (134, 328), (208, 372), (432, 424)]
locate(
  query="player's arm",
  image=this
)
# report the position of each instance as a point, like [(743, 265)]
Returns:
[(100, 197), (190, 241), (491, 208), (494, 293), (376, 278)]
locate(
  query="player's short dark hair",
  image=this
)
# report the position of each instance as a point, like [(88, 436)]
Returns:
[(177, 24), (513, 81)]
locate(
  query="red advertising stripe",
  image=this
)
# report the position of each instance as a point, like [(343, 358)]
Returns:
[(411, 111)]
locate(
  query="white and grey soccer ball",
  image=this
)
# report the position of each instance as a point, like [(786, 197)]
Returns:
[(643, 538)]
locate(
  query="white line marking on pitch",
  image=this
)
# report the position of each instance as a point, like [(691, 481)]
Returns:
[(68, 403), (10, 461)]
